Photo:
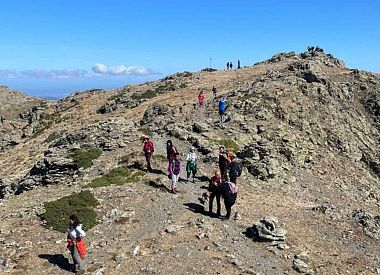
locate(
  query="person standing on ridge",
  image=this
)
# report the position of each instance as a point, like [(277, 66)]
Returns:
[(230, 65), (229, 194), (148, 150), (171, 151), (191, 166), (222, 109), (238, 64), (175, 170), (213, 93), (201, 98), (75, 235), (235, 169), (215, 192), (223, 162)]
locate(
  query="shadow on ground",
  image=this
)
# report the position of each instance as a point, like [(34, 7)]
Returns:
[(58, 260), (198, 208), (139, 166), (160, 186)]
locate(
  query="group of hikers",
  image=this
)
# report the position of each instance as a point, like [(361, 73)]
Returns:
[(223, 184), (222, 105), (230, 65)]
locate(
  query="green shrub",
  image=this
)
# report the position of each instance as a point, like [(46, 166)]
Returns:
[(52, 136), (146, 131), (127, 158), (79, 204), (117, 176), (83, 158), (145, 95), (227, 143)]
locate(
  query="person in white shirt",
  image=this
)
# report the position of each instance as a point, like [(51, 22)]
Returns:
[(191, 167), (75, 235)]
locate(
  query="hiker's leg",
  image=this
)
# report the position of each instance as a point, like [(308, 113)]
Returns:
[(228, 209), (218, 195), (77, 259), (211, 201)]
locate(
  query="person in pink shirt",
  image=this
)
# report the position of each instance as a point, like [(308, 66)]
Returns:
[(201, 98)]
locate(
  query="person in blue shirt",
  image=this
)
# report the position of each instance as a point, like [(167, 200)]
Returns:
[(222, 109)]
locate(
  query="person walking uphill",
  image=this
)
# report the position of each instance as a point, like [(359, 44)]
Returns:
[(235, 169), (148, 151), (175, 170), (229, 194), (191, 166), (223, 162), (201, 98), (76, 245), (215, 192), (222, 109), (171, 151)]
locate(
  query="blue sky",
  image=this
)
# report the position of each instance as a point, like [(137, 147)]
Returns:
[(55, 47)]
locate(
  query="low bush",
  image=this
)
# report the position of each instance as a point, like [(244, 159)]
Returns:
[(53, 136), (146, 131), (83, 158), (80, 204), (227, 143), (117, 176), (145, 95)]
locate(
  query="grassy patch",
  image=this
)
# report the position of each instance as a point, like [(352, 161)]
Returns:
[(117, 176), (146, 131), (127, 158), (53, 136), (228, 143), (83, 158), (80, 204), (145, 95)]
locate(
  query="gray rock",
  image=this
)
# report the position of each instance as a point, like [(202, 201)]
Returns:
[(267, 229)]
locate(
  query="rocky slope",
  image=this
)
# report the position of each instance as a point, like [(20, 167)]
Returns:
[(306, 129)]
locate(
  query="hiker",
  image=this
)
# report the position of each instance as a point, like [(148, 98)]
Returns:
[(75, 235), (213, 94), (234, 169), (191, 166), (228, 66), (238, 64), (222, 109), (170, 152), (229, 194), (201, 98), (215, 192), (175, 169), (148, 151), (223, 162)]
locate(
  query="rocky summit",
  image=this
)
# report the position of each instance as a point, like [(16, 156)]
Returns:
[(305, 128)]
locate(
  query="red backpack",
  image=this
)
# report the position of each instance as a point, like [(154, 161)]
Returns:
[(148, 147)]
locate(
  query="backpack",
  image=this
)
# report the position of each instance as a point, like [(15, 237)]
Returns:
[(236, 169), (148, 147), (176, 167), (222, 105), (229, 153)]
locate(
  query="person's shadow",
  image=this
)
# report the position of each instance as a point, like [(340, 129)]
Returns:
[(58, 260)]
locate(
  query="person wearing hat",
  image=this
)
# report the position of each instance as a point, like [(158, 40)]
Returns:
[(235, 169), (191, 167), (148, 151)]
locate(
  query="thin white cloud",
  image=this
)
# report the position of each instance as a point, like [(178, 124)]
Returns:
[(97, 70), (121, 70), (39, 73)]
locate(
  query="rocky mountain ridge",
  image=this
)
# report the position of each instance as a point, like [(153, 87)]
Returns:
[(305, 128)]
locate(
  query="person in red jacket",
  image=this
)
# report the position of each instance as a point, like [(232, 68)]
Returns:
[(148, 151), (201, 98)]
